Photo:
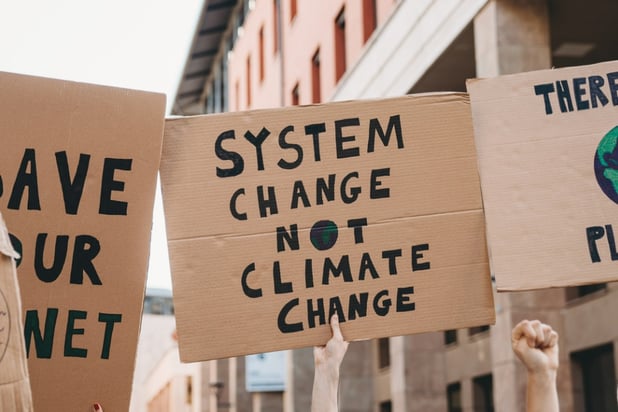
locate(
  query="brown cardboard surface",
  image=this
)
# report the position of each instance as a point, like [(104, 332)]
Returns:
[(15, 392), (424, 212), (547, 216), (84, 258)]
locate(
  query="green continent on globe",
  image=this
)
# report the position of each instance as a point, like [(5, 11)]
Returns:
[(607, 146)]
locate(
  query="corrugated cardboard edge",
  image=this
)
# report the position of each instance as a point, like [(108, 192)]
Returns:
[(437, 97), (15, 395)]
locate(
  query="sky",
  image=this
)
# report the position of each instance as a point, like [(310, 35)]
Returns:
[(136, 44)]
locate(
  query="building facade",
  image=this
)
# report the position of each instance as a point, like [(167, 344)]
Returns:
[(158, 372), (251, 54)]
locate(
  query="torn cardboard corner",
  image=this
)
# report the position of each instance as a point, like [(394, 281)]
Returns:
[(278, 219), (15, 393), (547, 144)]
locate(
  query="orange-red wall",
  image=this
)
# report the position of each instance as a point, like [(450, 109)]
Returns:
[(312, 27)]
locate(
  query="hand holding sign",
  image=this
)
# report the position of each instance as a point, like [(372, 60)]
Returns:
[(328, 359)]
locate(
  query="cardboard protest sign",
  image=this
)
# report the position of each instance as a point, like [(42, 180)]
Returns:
[(548, 159), (78, 168), (277, 219), (15, 392)]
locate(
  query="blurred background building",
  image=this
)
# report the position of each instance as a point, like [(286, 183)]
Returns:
[(249, 54)]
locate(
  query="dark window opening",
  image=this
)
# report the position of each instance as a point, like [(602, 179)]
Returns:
[(483, 393), (384, 353), (295, 95), (261, 52), (477, 329), (453, 397), (369, 18), (248, 81), (293, 7), (276, 25), (316, 96), (576, 292), (340, 47), (386, 406), (594, 379), (450, 336)]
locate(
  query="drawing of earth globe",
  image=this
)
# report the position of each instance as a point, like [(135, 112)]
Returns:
[(5, 325), (606, 164), (324, 234)]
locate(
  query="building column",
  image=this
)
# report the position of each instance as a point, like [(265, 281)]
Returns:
[(233, 390), (512, 36), (467, 402), (509, 378), (256, 402), (288, 394), (300, 383), (398, 373), (616, 365), (510, 375), (356, 378), (424, 376)]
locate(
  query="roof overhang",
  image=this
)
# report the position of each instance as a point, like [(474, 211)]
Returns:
[(205, 46)]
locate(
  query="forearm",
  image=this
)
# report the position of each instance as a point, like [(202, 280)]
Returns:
[(542, 395), (324, 397)]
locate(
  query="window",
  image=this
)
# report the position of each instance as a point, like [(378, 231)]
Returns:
[(158, 305), (295, 97), (261, 51), (581, 291), (293, 6), (477, 329), (386, 406), (248, 81), (217, 90), (189, 393), (384, 353), (210, 99), (340, 61), (453, 397), (369, 18), (221, 79), (450, 336), (316, 96), (276, 25), (483, 395), (594, 379)]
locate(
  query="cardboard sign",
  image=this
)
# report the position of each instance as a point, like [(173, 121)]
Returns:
[(277, 219), (78, 168), (548, 157), (15, 392)]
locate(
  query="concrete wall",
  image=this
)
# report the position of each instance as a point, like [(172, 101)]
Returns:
[(154, 341), (177, 380)]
